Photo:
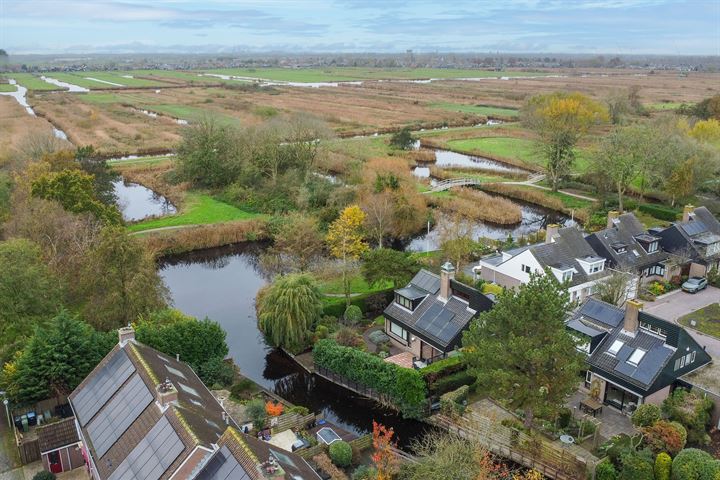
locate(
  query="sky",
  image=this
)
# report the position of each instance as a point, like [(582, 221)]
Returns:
[(678, 27)]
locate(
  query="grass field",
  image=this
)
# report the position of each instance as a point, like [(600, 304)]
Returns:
[(358, 284), (32, 82), (476, 109), (198, 209), (707, 320), (190, 113), (83, 79), (664, 106), (308, 75), (4, 87)]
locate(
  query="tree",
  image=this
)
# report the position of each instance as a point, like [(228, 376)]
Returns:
[(388, 265), (707, 131), (521, 351), (456, 241), (637, 466), (29, 294), (119, 281), (208, 154), (383, 456), (706, 109), (614, 288), (298, 242), (57, 358), (681, 182), (402, 139), (664, 436), (379, 211), (255, 410), (341, 453), (646, 415), (75, 191), (694, 464), (288, 311), (560, 120), (345, 241)]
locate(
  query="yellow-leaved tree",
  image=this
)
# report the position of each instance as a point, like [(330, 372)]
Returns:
[(346, 242), (706, 131)]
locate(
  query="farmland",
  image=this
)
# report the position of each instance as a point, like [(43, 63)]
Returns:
[(31, 82)]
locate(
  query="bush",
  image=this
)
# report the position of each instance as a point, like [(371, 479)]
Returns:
[(665, 436), (216, 371), (694, 464), (348, 338), (692, 411), (340, 453), (663, 466), (255, 410), (353, 315), (564, 417), (364, 472), (241, 389), (44, 475), (322, 331), (299, 409), (274, 409), (659, 212), (636, 466), (454, 402), (442, 368), (404, 386), (646, 415), (452, 382), (605, 471)]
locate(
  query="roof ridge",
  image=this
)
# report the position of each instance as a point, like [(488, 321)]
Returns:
[(144, 363), (185, 424)]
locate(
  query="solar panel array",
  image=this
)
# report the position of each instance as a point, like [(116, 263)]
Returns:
[(437, 321), (223, 466), (602, 312), (693, 228), (119, 414), (153, 455), (648, 367), (90, 399), (426, 281)]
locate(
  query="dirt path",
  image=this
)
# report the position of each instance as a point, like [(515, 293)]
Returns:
[(533, 182), (172, 227)]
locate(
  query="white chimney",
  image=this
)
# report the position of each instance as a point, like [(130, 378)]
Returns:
[(688, 213), (447, 273), (125, 334), (612, 216), (551, 231)]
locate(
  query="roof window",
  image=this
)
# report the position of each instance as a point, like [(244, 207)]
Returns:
[(636, 356), (615, 347)]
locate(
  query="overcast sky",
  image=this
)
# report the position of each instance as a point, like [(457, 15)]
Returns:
[(559, 26)]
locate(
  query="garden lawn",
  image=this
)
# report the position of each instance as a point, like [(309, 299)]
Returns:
[(707, 320), (32, 82), (334, 286), (198, 209), (486, 110)]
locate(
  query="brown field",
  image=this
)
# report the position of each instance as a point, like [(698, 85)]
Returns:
[(15, 124), (112, 125)]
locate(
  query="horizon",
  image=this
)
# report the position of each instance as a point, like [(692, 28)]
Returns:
[(530, 27)]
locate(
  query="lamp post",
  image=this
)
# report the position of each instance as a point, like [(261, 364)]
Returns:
[(7, 412)]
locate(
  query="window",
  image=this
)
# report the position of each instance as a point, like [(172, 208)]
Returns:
[(398, 330), (567, 276), (652, 247), (654, 270), (636, 356), (525, 268), (692, 357), (615, 347), (596, 268), (652, 328), (689, 358), (405, 302), (588, 379)]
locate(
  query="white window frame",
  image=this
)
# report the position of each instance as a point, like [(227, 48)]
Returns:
[(525, 268), (404, 335)]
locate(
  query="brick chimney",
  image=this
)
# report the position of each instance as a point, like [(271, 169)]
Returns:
[(688, 212), (612, 216), (551, 231), (166, 393), (125, 334), (447, 273), (632, 310)]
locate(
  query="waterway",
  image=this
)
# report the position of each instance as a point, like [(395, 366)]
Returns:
[(137, 202)]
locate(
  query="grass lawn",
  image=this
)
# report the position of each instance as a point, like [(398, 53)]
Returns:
[(142, 161), (486, 110), (186, 112), (198, 209), (121, 78), (32, 82), (569, 201), (361, 148), (707, 320), (5, 87), (357, 285)]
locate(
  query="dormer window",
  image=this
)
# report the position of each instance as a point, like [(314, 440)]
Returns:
[(409, 297), (649, 243), (615, 347), (567, 275), (619, 247), (404, 302)]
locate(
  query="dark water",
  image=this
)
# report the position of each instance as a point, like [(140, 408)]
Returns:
[(449, 159), (221, 284), (137, 202), (534, 219)]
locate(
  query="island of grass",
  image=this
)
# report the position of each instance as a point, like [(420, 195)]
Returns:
[(6, 87), (486, 110), (706, 320), (32, 82), (197, 209)]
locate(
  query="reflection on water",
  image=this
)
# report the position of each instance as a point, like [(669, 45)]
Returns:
[(71, 87), (137, 202), (446, 158)]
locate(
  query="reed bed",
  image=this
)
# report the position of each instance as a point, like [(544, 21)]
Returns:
[(537, 197), (480, 206), (154, 177), (422, 156)]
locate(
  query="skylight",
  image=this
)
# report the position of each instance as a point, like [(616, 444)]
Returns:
[(189, 390), (636, 356), (615, 347)]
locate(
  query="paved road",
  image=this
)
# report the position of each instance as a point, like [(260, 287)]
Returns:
[(680, 303)]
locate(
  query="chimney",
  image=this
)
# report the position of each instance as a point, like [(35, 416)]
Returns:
[(447, 273), (551, 231), (632, 310), (688, 213), (125, 334), (612, 216), (166, 393)]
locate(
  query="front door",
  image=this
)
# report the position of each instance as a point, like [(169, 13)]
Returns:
[(55, 462)]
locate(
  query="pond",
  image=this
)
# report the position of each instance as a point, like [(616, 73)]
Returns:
[(137, 202), (221, 284), (450, 159)]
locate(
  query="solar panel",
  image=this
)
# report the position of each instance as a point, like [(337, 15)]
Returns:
[(328, 435), (602, 312), (223, 466), (119, 414), (624, 353), (652, 363), (102, 385), (693, 228), (437, 321), (625, 368), (153, 455), (426, 281)]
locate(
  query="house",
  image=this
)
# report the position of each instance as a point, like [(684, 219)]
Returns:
[(565, 253), (428, 316), (628, 247), (695, 240), (59, 445), (632, 357), (143, 414)]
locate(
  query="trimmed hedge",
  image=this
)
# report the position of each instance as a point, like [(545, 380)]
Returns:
[(451, 382), (454, 402), (441, 368), (663, 465), (341, 453), (694, 464), (335, 306), (404, 386), (659, 212)]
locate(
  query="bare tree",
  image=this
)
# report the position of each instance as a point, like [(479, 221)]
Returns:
[(616, 288), (379, 213)]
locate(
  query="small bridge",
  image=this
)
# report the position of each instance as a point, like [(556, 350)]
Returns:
[(453, 182)]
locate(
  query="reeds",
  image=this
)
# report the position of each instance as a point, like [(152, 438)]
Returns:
[(179, 240), (537, 197), (480, 206)]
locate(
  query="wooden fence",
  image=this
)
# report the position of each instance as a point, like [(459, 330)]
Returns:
[(360, 444), (356, 387), (29, 451)]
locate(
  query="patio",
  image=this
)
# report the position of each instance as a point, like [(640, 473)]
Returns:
[(613, 422)]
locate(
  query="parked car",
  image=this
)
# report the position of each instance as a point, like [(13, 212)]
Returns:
[(694, 284)]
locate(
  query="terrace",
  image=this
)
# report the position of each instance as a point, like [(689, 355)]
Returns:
[(612, 421)]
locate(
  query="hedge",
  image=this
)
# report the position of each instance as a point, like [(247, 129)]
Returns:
[(659, 212), (341, 453), (404, 386), (694, 464), (443, 367), (454, 402), (335, 306), (451, 382)]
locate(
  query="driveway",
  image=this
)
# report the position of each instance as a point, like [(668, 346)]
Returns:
[(680, 303)]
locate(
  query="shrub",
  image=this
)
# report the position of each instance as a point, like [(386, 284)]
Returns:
[(216, 371), (353, 315), (255, 410), (442, 368), (340, 453), (44, 475), (452, 382), (241, 389), (692, 411), (659, 212), (322, 331), (404, 386), (454, 402), (620, 445), (646, 415), (299, 409), (665, 436), (605, 471), (325, 464), (274, 409), (564, 417), (364, 472), (348, 338), (636, 466), (663, 466), (656, 288), (694, 464)]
